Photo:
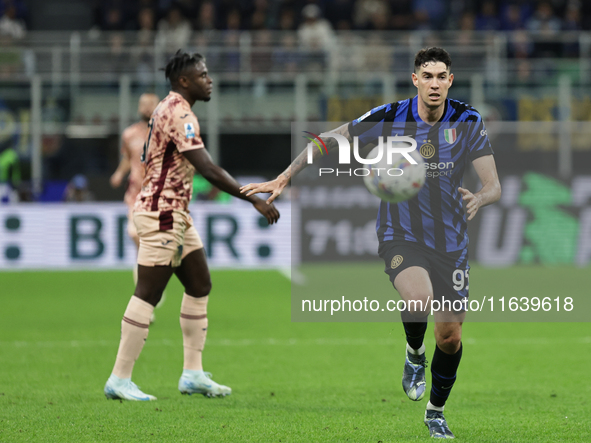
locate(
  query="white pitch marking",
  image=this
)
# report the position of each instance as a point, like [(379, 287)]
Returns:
[(538, 341)]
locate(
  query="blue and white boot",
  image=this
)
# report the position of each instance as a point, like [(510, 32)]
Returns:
[(199, 382)]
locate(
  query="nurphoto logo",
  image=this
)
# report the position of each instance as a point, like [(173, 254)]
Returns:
[(389, 146)]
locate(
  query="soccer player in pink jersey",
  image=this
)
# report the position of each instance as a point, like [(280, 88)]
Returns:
[(169, 243), (132, 147)]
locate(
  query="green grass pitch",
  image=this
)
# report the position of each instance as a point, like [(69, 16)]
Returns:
[(292, 382)]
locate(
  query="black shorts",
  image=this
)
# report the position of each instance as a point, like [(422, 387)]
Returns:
[(448, 271)]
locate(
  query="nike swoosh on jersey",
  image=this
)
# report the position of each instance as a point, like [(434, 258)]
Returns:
[(164, 243), (184, 115)]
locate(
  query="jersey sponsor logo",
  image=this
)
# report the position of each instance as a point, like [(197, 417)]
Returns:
[(440, 169), (427, 150), (396, 261), (189, 130), (440, 165), (450, 135)]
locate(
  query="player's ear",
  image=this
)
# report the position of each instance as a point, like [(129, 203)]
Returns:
[(183, 81), (415, 79), (451, 79)]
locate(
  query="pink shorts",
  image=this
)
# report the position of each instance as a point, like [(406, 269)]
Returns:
[(166, 238)]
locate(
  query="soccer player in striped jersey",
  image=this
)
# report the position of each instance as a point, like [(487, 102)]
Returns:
[(424, 241), (169, 243)]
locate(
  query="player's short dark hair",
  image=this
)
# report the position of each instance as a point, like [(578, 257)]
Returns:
[(433, 54), (179, 62)]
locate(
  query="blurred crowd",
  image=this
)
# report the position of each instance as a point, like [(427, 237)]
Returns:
[(183, 16), (180, 17), (13, 15), (316, 23), (538, 29)]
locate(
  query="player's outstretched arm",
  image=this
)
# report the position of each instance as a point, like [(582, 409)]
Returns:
[(220, 178), (491, 188), (275, 187)]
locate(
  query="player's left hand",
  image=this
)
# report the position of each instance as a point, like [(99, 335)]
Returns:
[(269, 211), (473, 202), (273, 187)]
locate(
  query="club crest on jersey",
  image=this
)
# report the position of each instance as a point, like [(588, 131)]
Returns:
[(396, 261), (189, 130), (450, 135), (427, 150)]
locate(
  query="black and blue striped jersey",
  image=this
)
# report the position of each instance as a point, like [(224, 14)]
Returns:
[(435, 217)]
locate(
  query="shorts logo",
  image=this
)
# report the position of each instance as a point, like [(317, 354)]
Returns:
[(396, 261), (427, 150), (483, 133), (189, 130)]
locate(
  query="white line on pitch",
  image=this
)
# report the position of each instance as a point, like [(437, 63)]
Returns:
[(537, 341)]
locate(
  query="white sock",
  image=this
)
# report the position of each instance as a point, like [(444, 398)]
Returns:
[(419, 351), (432, 407)]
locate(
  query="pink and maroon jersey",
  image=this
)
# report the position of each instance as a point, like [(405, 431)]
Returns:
[(132, 147), (168, 182)]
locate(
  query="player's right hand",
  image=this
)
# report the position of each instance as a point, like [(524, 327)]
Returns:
[(273, 187), (116, 180), (269, 211)]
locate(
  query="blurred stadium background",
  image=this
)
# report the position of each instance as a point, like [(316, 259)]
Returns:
[(71, 73)]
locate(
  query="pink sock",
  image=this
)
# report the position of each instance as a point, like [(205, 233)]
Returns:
[(194, 326), (134, 331)]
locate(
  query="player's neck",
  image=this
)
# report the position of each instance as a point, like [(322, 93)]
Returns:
[(430, 115), (185, 96)]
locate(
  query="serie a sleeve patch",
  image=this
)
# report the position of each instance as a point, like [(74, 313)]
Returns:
[(189, 130)]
